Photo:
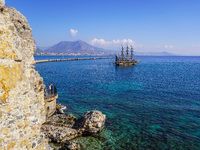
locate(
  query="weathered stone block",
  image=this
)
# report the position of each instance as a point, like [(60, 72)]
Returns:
[(20, 125), (10, 74), (1, 113), (24, 142), (10, 144), (11, 27), (6, 131)]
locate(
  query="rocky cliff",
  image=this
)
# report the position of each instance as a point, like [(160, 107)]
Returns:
[(21, 87)]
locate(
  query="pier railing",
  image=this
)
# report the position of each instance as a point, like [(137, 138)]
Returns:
[(49, 96)]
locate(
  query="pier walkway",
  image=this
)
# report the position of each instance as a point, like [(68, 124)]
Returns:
[(70, 59)]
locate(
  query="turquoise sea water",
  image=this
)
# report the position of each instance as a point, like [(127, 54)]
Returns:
[(154, 105)]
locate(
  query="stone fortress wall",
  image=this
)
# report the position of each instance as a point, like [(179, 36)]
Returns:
[(22, 109)]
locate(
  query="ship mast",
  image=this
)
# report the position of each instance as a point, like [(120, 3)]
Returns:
[(122, 52), (127, 51), (131, 52)]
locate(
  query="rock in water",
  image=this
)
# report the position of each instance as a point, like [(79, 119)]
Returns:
[(62, 127), (60, 109), (93, 122)]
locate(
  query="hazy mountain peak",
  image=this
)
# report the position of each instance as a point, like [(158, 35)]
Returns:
[(74, 47)]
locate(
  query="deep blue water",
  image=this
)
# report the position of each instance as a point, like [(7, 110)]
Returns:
[(153, 105)]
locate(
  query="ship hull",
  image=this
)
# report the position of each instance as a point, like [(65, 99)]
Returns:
[(127, 63)]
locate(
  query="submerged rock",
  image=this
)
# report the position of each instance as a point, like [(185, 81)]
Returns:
[(71, 146)]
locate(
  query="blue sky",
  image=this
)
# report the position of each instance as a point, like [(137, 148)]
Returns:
[(149, 25)]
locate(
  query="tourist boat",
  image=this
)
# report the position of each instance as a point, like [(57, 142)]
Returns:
[(126, 60)]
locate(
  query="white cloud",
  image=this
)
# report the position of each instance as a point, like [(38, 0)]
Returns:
[(111, 44), (73, 32), (168, 46)]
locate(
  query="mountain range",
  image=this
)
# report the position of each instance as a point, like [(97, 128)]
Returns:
[(81, 47), (38, 50)]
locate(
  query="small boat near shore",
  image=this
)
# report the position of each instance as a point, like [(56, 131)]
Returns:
[(126, 59)]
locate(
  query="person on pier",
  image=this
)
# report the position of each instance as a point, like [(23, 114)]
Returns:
[(50, 89)]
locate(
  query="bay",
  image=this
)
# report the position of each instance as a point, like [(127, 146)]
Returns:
[(153, 105)]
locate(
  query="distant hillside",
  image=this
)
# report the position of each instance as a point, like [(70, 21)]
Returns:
[(68, 47), (38, 51)]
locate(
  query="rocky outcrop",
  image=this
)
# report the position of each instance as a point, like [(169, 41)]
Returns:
[(93, 122), (21, 87), (61, 120), (59, 133), (62, 127)]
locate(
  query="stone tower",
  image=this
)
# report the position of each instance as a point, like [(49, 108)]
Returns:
[(22, 108)]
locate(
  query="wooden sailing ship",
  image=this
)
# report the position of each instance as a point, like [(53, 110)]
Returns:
[(126, 59)]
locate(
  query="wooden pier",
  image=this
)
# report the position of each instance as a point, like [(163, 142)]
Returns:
[(70, 59)]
